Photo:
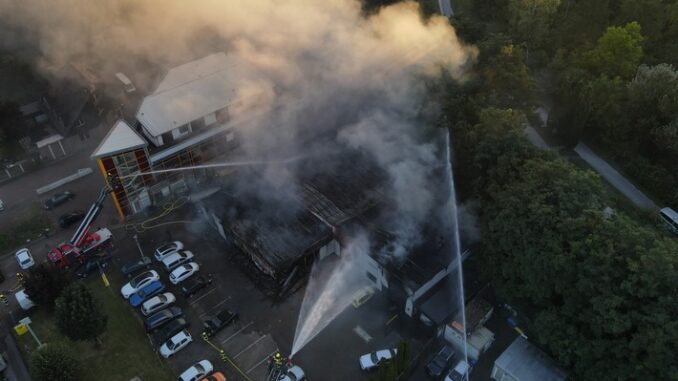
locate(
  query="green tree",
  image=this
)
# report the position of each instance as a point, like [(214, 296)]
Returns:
[(653, 94), (506, 78), (78, 315), (618, 52), (531, 20), (44, 284), (55, 362)]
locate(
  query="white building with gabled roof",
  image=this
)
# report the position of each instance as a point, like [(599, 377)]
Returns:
[(185, 122), (190, 98)]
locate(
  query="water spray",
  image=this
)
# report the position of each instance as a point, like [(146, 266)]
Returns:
[(217, 165), (456, 242)]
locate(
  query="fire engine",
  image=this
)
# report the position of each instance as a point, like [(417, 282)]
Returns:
[(84, 243)]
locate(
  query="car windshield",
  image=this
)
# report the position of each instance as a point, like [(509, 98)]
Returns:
[(162, 299), (140, 278), (374, 358), (200, 369), (165, 247)]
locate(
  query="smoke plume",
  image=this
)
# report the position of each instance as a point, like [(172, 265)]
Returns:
[(317, 71)]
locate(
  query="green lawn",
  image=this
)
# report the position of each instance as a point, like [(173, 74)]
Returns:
[(125, 351)]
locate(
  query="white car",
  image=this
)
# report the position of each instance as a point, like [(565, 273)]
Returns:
[(25, 259), (183, 272), (374, 359), (157, 303), (197, 371), (138, 282), (166, 249), (175, 344), (175, 259), (23, 300), (2, 205), (294, 373)]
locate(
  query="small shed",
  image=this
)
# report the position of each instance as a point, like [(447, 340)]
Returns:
[(522, 361), (51, 147)]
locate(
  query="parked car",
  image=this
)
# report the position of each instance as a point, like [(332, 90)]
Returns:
[(2, 206), (69, 219), (161, 318), (183, 272), (197, 371), (220, 321), (175, 259), (157, 303), (24, 301), (195, 284), (138, 282), (58, 199), (170, 329), (132, 267), (294, 373), (216, 376), (25, 259), (459, 372), (150, 290), (374, 359), (167, 249), (175, 344), (92, 265), (437, 366)]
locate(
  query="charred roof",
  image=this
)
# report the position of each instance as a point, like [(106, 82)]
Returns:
[(274, 233)]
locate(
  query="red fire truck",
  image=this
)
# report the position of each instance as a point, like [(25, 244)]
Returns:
[(84, 243)]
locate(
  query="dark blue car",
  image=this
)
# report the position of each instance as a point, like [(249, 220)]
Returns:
[(145, 293)]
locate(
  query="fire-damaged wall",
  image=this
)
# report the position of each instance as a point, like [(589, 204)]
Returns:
[(282, 245)]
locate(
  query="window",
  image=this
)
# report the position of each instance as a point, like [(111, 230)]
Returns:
[(371, 277), (198, 124), (183, 129), (211, 119)]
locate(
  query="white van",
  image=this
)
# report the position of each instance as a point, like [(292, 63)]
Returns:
[(670, 218), (23, 300), (126, 83)]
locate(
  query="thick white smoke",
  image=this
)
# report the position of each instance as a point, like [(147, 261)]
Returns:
[(316, 71)]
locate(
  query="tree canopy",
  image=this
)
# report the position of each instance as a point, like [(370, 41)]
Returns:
[(44, 284), (55, 362), (78, 315)]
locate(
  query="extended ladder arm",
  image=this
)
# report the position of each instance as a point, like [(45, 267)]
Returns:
[(93, 212)]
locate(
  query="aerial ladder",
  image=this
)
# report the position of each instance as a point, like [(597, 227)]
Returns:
[(83, 243)]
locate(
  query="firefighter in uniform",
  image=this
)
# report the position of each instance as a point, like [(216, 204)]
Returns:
[(276, 366)]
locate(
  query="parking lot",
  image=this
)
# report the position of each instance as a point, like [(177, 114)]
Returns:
[(263, 326)]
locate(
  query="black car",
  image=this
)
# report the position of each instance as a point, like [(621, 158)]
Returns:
[(440, 362), (170, 329), (132, 267), (58, 199), (195, 284), (69, 219), (219, 322), (92, 265), (161, 318)]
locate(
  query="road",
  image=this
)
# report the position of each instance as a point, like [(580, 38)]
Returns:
[(615, 178), (598, 164)]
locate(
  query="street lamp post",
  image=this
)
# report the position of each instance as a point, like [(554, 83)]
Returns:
[(136, 239)]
